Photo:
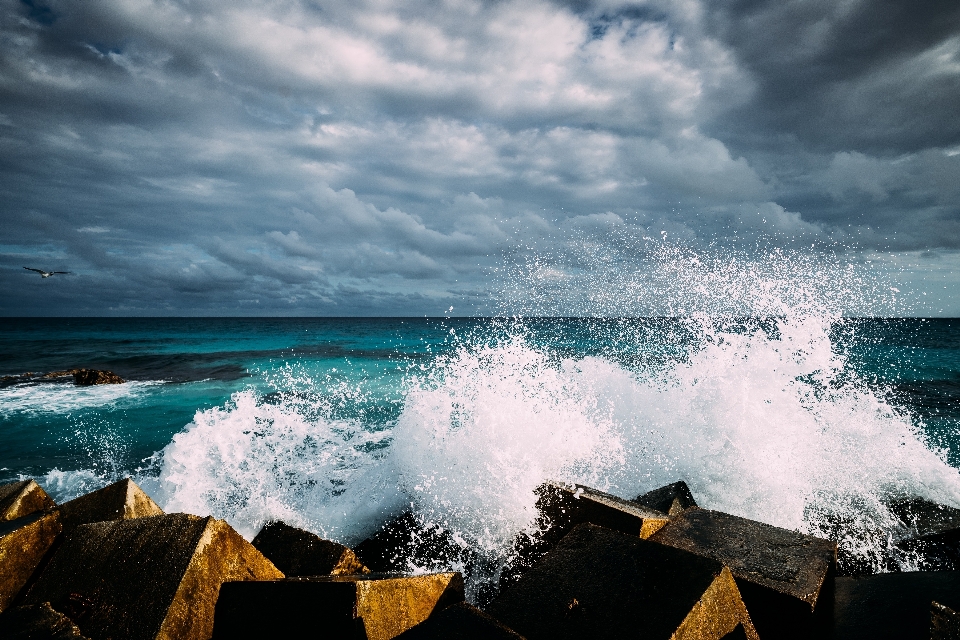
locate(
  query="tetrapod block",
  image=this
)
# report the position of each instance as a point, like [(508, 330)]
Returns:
[(781, 573), (37, 622), (147, 578), (357, 607), (19, 499), (600, 583), (121, 500), (23, 544), (672, 499), (460, 621), (300, 553)]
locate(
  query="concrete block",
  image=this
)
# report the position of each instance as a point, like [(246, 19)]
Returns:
[(562, 507), (890, 605), (944, 622), (37, 622), (362, 607), (600, 583), (121, 500), (296, 552), (23, 544), (781, 574), (460, 622), (19, 499), (403, 541), (147, 578), (672, 499), (934, 532)]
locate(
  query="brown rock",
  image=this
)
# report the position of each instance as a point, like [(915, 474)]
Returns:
[(19, 499), (944, 622), (121, 500), (37, 622), (87, 377), (368, 607), (460, 621), (300, 553), (147, 578), (890, 605), (780, 573), (672, 499), (599, 583), (23, 544)]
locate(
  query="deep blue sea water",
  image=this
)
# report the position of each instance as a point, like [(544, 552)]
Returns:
[(335, 424)]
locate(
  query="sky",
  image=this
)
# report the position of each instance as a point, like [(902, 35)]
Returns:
[(311, 157)]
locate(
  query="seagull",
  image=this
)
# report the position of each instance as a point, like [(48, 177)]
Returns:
[(45, 274)]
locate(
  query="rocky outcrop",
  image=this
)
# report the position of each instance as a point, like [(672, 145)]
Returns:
[(88, 377)]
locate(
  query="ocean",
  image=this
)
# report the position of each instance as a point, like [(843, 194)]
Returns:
[(338, 424)]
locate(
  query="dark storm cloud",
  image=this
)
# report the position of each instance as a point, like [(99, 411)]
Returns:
[(386, 158)]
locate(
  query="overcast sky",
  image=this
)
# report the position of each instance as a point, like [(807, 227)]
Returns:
[(302, 157)]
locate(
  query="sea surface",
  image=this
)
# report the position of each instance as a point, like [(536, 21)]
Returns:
[(338, 424)]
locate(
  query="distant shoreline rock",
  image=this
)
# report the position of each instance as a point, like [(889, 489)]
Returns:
[(81, 377)]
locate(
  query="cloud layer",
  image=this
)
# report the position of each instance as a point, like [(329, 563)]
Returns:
[(387, 158)]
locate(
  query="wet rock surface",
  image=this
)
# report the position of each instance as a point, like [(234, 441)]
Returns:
[(296, 552), (600, 583), (944, 622), (890, 605), (37, 622), (19, 499), (369, 606), (150, 577), (460, 622), (672, 499), (24, 544), (781, 574)]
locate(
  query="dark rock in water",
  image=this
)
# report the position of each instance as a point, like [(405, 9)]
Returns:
[(87, 377), (944, 622), (296, 552), (934, 533), (362, 607), (782, 575), (890, 605), (23, 544), (146, 578), (460, 622), (599, 583), (562, 507), (37, 622), (672, 499), (19, 499), (121, 500)]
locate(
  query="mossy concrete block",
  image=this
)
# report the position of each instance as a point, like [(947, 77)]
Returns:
[(23, 544), (300, 553), (461, 621), (600, 583), (369, 607), (37, 622), (672, 499), (19, 499), (944, 622), (781, 573), (146, 578), (121, 500), (890, 605)]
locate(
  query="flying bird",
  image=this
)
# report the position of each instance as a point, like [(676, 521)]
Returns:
[(45, 274)]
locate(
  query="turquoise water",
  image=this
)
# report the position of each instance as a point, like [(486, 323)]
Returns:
[(335, 425)]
